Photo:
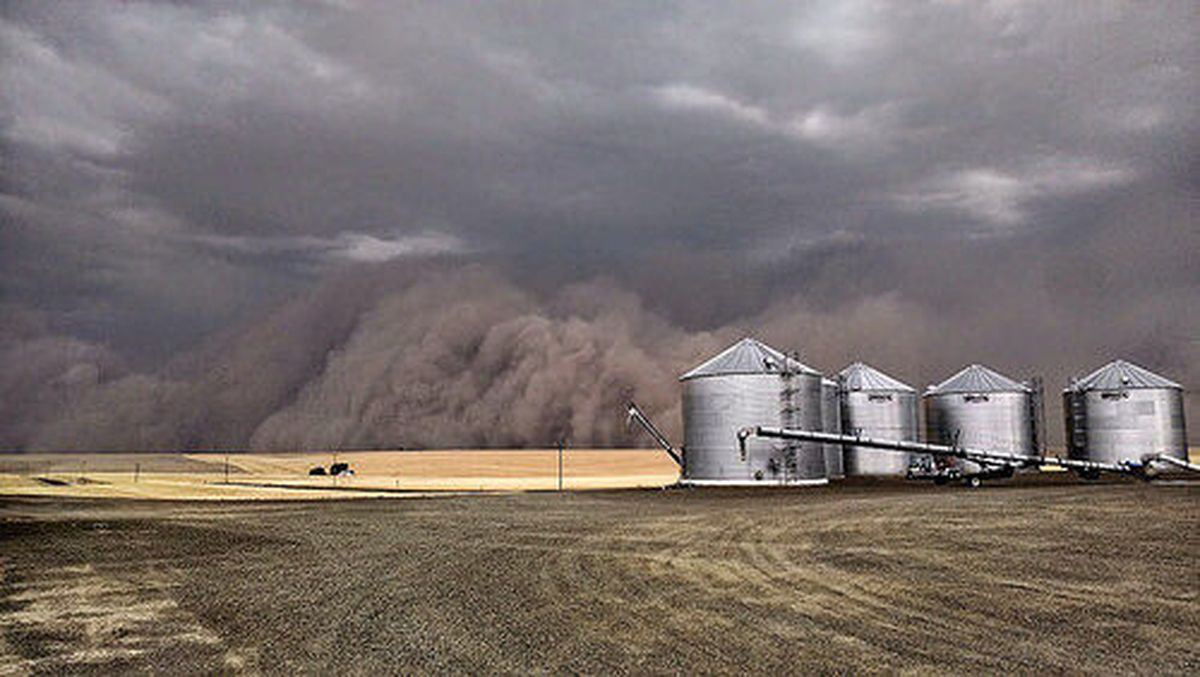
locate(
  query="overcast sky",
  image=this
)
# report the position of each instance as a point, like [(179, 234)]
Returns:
[(171, 167)]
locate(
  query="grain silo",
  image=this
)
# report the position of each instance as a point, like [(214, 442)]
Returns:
[(878, 406), (981, 409), (750, 384), (831, 422), (1123, 412)]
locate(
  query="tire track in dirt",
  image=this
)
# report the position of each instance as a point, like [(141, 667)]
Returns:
[(78, 619), (1053, 579)]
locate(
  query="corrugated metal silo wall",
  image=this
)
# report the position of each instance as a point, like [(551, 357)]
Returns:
[(716, 407), (831, 422), (1075, 430), (888, 416), (1118, 425), (994, 421)]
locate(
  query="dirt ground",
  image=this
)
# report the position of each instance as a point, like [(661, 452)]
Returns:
[(1030, 576)]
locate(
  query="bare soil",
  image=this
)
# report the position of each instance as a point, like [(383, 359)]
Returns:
[(1041, 575)]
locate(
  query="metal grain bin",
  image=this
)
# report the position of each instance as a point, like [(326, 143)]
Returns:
[(1123, 412), (750, 384), (982, 409), (831, 422), (877, 405)]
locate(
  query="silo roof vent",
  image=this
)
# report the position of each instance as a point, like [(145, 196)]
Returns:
[(1119, 375), (978, 379), (748, 356), (864, 377)]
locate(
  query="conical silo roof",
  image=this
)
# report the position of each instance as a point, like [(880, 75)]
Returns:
[(978, 379), (748, 356), (1121, 375), (864, 377)]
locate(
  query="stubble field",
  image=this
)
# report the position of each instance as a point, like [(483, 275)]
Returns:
[(1032, 576), (279, 476)]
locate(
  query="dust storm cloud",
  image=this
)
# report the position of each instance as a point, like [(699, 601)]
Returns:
[(358, 224), (457, 355)]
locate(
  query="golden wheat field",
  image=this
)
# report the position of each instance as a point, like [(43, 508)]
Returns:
[(216, 476), (284, 475)]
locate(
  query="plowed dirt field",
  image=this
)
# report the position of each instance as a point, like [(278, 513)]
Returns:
[(1020, 577)]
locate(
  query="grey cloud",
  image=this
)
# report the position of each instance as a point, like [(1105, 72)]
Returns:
[(1014, 175), (1000, 198), (348, 246)]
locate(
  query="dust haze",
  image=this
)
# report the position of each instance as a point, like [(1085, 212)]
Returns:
[(454, 354), (369, 225)]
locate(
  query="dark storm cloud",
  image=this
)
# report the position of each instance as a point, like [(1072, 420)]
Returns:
[(931, 182)]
